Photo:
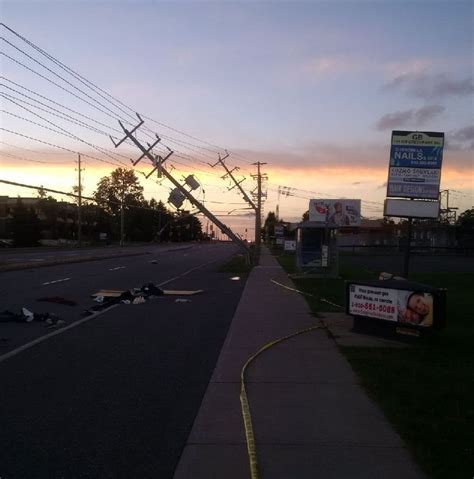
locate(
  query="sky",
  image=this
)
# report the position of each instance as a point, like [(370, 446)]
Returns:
[(313, 89)]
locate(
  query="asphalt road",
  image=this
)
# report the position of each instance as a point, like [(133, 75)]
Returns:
[(42, 256), (115, 396)]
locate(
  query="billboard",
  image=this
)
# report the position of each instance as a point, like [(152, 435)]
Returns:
[(415, 164), (335, 213), (397, 305), (411, 209)]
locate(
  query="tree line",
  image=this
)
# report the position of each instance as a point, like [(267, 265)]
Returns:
[(143, 220)]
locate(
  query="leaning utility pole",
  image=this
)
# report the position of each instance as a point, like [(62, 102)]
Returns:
[(244, 194), (147, 152), (258, 216), (79, 203)]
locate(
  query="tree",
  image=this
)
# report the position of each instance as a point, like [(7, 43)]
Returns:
[(466, 219), (50, 211), (121, 186), (186, 227), (305, 216), (269, 225), (25, 225)]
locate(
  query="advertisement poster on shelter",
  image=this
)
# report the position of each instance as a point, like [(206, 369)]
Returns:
[(396, 305), (335, 213)]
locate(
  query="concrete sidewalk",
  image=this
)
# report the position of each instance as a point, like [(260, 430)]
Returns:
[(311, 418)]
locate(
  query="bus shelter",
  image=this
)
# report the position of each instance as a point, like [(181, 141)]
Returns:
[(316, 250)]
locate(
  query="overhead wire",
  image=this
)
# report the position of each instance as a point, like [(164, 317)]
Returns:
[(62, 132), (97, 89), (3, 153), (60, 147), (187, 158)]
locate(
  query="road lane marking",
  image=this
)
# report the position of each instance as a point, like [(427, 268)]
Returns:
[(116, 268), (56, 281), (39, 340), (189, 271), (29, 345)]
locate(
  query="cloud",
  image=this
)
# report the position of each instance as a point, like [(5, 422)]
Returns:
[(464, 134), (461, 139), (331, 65), (428, 86), (413, 116)]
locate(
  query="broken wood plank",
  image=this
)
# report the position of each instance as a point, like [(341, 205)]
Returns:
[(177, 292)]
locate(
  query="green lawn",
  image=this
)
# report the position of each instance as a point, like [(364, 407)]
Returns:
[(426, 391)]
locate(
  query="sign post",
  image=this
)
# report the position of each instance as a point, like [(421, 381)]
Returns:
[(414, 173)]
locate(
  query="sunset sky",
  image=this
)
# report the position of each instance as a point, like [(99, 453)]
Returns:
[(313, 89)]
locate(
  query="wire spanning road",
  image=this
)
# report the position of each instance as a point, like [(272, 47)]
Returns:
[(115, 396)]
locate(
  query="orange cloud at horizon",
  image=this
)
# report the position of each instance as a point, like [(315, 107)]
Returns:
[(316, 178)]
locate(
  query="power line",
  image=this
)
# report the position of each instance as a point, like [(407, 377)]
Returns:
[(56, 103), (73, 195), (62, 147), (58, 113), (2, 153), (66, 132), (83, 80), (73, 119), (63, 79), (95, 88)]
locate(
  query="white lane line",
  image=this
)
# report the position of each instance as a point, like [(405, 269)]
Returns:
[(115, 269), (56, 281), (29, 345), (189, 271)]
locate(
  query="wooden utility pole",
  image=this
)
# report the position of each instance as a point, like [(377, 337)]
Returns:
[(147, 153), (258, 216)]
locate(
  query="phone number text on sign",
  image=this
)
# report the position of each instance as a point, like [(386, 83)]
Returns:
[(373, 302)]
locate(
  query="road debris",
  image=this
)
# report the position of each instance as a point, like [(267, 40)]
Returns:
[(181, 292), (27, 316), (149, 291), (58, 300)]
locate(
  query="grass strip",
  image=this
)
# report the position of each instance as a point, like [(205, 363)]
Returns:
[(426, 391)]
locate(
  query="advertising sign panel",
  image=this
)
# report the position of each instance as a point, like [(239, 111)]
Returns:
[(279, 230), (290, 245), (401, 306), (411, 209), (335, 213), (415, 164)]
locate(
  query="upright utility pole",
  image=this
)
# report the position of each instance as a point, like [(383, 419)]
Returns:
[(258, 216), (79, 203), (122, 223)]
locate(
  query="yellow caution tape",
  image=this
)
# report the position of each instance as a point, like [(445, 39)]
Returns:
[(324, 300), (249, 434)]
